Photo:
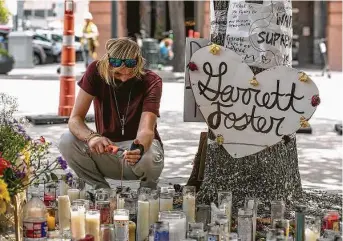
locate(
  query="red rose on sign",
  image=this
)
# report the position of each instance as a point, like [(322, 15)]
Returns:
[(192, 66), (4, 164), (315, 101)]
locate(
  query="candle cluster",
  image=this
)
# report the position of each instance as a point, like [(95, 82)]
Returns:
[(129, 215)]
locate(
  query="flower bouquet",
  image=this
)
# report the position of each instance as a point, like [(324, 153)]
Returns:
[(24, 161)]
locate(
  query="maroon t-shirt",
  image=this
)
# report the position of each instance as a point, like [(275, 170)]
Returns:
[(145, 96)]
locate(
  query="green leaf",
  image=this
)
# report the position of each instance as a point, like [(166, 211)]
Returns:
[(54, 177)]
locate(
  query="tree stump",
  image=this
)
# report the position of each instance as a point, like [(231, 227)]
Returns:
[(272, 174)]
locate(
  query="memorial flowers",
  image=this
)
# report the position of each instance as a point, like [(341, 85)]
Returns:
[(24, 161)]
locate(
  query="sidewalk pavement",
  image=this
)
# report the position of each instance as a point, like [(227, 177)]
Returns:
[(320, 153)]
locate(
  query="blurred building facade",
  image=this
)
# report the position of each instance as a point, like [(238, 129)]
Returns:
[(312, 20)]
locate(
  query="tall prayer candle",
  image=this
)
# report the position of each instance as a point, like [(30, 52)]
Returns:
[(188, 205), (77, 215), (64, 213), (154, 209), (93, 224), (142, 220)]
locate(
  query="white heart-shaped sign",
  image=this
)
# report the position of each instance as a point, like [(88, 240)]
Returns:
[(249, 112)]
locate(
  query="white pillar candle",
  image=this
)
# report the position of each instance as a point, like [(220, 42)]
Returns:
[(78, 221), (73, 194), (188, 207), (166, 204), (154, 209), (93, 224), (142, 220), (64, 213)]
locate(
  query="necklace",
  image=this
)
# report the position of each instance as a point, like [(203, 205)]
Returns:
[(122, 119)]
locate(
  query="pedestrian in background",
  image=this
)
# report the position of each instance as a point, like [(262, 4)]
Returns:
[(90, 39)]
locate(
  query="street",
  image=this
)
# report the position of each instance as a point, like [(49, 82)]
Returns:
[(320, 153)]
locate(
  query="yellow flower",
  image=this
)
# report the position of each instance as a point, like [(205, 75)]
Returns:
[(27, 155), (303, 77), (4, 194), (3, 206)]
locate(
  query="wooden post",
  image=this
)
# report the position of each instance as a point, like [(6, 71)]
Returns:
[(271, 174)]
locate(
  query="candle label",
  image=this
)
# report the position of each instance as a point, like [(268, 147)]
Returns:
[(213, 237), (121, 230), (105, 212), (35, 229), (161, 235)]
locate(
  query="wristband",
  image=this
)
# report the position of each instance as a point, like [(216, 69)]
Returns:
[(90, 136)]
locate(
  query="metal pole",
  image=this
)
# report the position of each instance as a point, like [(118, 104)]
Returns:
[(114, 21), (67, 76)]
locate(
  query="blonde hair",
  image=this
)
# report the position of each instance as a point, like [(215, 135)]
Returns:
[(121, 48)]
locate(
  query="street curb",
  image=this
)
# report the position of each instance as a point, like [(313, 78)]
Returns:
[(53, 119)]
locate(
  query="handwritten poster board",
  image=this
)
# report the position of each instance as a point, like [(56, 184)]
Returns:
[(250, 112), (191, 112), (260, 32)]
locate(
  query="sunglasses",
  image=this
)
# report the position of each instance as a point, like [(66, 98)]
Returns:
[(129, 63)]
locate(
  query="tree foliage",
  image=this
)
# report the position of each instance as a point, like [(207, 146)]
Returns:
[(4, 13)]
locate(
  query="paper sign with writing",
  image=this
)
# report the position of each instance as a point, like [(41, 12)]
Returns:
[(249, 112), (260, 32)]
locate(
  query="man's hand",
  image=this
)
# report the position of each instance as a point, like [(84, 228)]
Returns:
[(98, 144), (133, 156)]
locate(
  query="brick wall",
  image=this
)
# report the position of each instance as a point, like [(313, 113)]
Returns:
[(334, 35)]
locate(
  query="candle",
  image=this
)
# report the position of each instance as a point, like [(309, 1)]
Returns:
[(166, 203), (188, 207), (63, 188), (121, 203), (121, 224), (132, 231), (142, 220), (64, 213), (311, 235), (73, 194), (154, 209), (77, 218), (93, 224), (188, 204), (51, 222), (177, 224)]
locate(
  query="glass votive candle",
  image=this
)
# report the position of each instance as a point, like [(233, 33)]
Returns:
[(203, 215), (177, 224), (84, 202), (166, 201), (73, 194), (277, 209), (77, 221), (121, 224), (143, 209), (93, 224), (107, 232), (225, 204), (188, 204)]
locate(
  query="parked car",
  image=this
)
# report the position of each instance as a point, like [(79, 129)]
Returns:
[(50, 48), (56, 37), (39, 56)]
